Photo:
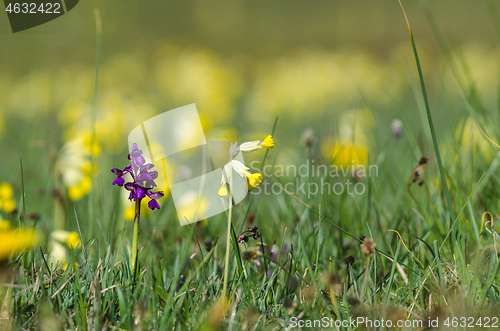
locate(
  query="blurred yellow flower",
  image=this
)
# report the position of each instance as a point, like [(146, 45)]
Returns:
[(306, 83), (73, 240), (129, 211), (7, 203), (190, 208), (344, 155), (5, 225), (15, 241), (75, 166), (184, 75), (471, 140), (82, 189), (59, 243)]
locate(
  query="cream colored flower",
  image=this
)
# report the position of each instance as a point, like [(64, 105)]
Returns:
[(257, 144), (242, 170), (252, 179)]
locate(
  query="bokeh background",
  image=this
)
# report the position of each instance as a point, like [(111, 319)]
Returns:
[(337, 73)]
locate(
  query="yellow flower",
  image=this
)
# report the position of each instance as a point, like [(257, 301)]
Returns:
[(191, 208), (129, 213), (7, 204), (5, 225), (73, 240), (242, 170), (223, 190), (6, 191), (254, 179), (129, 206), (75, 167), (16, 240), (59, 243), (268, 142), (345, 155), (82, 189)]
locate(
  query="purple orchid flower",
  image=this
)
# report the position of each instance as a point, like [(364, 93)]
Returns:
[(143, 179)]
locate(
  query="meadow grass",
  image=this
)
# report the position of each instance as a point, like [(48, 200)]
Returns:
[(397, 252)]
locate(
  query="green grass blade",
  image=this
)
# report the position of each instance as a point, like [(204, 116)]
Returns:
[(431, 124)]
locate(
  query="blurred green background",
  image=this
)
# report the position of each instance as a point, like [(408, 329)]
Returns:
[(343, 69)]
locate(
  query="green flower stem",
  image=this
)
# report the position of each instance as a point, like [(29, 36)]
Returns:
[(228, 242), (133, 260)]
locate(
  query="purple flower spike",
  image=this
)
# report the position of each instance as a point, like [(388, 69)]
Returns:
[(142, 179)]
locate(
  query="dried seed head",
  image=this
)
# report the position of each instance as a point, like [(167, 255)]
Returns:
[(350, 260), (368, 247), (423, 160)]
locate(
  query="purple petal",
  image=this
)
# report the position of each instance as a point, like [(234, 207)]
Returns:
[(154, 174), (127, 169), (117, 171), (139, 160), (135, 150), (155, 195), (153, 204), (145, 176), (131, 196), (147, 166), (151, 184), (129, 186), (119, 181)]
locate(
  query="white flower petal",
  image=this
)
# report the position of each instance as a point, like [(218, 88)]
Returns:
[(250, 146), (225, 173), (239, 167)]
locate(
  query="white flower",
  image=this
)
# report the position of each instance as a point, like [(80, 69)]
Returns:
[(242, 170), (257, 144), (252, 179)]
